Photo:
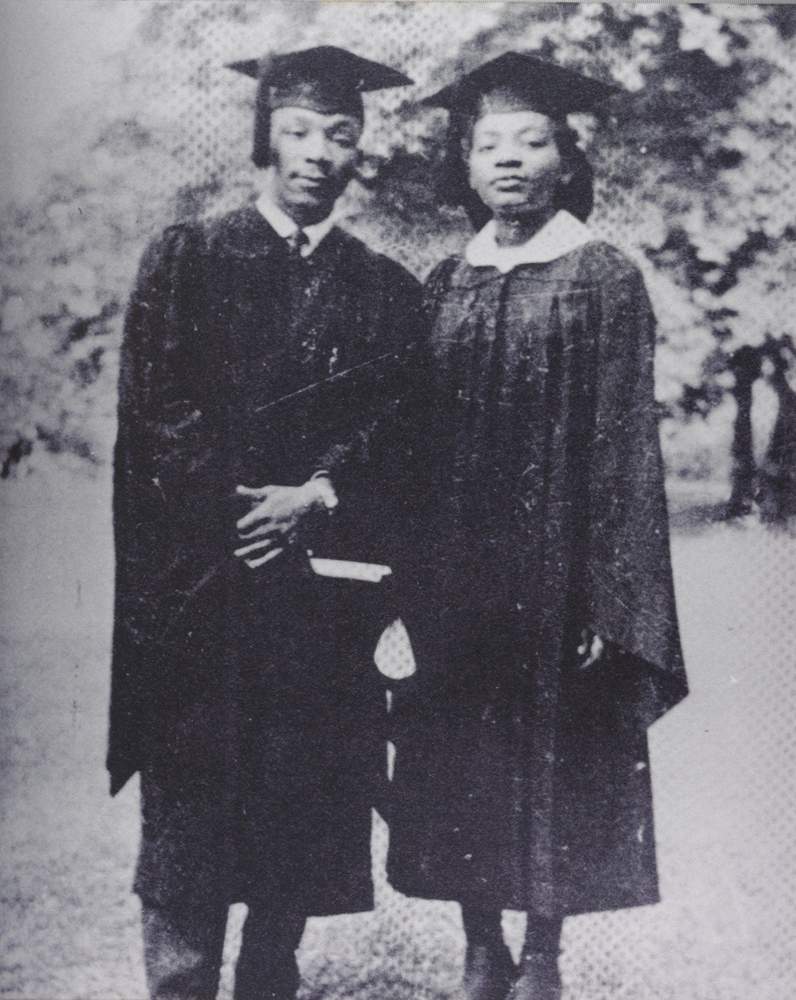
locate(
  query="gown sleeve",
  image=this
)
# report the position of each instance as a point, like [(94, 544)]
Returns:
[(416, 471), (162, 456), (373, 438), (165, 446), (367, 430), (630, 588)]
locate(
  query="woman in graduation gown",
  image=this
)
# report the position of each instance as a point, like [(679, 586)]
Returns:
[(546, 634)]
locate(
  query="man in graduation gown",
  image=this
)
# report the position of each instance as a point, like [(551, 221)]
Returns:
[(260, 372)]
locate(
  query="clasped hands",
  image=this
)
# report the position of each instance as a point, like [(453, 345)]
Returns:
[(272, 524)]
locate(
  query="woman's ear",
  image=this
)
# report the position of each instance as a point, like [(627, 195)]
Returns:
[(360, 169), (569, 165), (465, 148), (366, 169)]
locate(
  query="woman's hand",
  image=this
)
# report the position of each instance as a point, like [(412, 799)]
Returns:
[(272, 523), (591, 649)]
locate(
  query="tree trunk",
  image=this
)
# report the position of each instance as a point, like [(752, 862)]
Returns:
[(745, 364)]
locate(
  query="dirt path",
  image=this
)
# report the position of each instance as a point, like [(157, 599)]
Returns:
[(723, 766)]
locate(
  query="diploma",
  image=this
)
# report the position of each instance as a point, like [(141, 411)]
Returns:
[(348, 569)]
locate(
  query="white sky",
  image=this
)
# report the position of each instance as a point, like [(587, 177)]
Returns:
[(53, 53)]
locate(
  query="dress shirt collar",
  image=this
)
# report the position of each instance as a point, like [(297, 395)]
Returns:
[(560, 235), (284, 226)]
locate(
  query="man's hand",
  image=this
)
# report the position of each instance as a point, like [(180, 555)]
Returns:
[(591, 649), (273, 521)]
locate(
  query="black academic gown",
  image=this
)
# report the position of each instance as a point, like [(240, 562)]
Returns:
[(249, 701), (521, 782)]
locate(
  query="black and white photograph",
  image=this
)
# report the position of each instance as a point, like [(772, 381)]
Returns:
[(397, 500)]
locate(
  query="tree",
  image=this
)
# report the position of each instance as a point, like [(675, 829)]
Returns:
[(693, 166)]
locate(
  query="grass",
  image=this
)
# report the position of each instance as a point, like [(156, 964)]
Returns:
[(723, 766)]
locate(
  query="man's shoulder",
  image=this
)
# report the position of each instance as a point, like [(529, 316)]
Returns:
[(359, 255), (170, 254), (241, 230), (174, 239)]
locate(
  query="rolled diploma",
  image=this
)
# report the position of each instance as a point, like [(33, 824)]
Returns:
[(348, 569)]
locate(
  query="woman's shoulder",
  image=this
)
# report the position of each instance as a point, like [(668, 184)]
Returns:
[(444, 268), (442, 275), (600, 262)]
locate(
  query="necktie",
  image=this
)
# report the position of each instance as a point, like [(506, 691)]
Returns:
[(296, 241)]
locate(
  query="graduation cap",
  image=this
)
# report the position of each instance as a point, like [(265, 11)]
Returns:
[(517, 80), (326, 79)]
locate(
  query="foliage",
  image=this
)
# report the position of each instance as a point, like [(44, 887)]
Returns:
[(694, 165)]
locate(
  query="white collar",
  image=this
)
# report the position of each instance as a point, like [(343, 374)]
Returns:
[(558, 236), (284, 226)]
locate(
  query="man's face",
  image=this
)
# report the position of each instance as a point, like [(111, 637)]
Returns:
[(514, 162), (313, 156)]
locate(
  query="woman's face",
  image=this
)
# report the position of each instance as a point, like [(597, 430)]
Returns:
[(514, 162)]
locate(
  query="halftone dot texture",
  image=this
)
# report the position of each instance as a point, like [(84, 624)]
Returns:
[(728, 869)]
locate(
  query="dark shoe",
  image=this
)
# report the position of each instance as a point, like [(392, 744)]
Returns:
[(538, 979), (489, 971), (267, 968)]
